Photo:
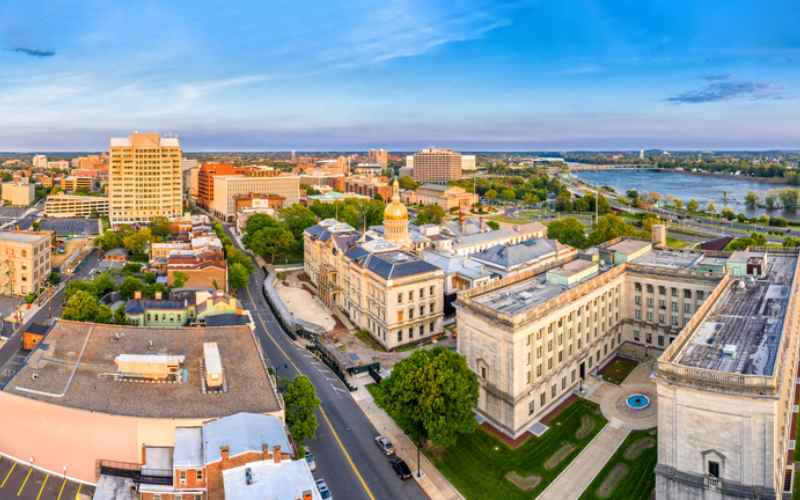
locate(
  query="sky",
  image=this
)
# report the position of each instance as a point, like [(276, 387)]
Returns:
[(472, 75)]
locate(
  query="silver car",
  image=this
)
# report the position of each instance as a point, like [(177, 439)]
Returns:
[(385, 445), (310, 459)]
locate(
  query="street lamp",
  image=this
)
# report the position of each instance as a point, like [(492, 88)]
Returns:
[(276, 368), (419, 445)]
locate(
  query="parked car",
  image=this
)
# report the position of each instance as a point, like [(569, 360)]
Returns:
[(401, 468), (385, 445), (310, 459), (324, 492)]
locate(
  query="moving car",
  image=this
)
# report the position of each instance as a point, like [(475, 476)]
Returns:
[(385, 445), (399, 466), (324, 492), (310, 459)]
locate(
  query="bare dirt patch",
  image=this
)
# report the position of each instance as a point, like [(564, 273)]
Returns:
[(558, 456), (526, 483), (71, 246), (587, 424), (638, 446), (605, 489)]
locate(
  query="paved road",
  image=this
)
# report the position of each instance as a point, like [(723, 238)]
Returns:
[(344, 451)]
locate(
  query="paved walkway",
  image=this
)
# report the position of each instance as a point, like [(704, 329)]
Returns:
[(582, 471), (572, 482), (432, 483)]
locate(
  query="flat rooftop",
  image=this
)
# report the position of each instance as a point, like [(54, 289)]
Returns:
[(574, 267), (23, 237), (627, 247), (95, 388), (743, 331), (669, 260), (714, 261)]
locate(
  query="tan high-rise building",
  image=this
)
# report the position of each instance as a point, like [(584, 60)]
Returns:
[(378, 156), (24, 261), (144, 178), (19, 194), (264, 180), (437, 165)]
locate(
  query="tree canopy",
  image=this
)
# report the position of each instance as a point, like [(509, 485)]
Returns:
[(160, 226), (138, 241), (300, 400), (179, 278), (431, 393), (610, 227), (568, 232), (81, 306)]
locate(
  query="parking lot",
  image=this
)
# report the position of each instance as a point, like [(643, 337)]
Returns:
[(78, 227), (19, 480)]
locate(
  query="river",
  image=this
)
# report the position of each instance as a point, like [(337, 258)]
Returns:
[(687, 187)]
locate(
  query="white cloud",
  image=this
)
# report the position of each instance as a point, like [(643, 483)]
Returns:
[(196, 91)]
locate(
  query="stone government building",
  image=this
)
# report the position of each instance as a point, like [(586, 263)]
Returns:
[(725, 381)]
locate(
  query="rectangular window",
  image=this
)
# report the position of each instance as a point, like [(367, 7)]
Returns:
[(430, 291), (579, 342), (539, 371), (421, 292), (542, 399), (411, 333), (598, 356), (637, 300), (528, 340), (701, 295), (636, 335), (649, 338), (528, 359), (662, 290), (579, 330), (650, 316), (563, 383), (530, 408), (687, 294), (605, 350), (183, 477), (649, 288), (674, 292), (637, 287), (661, 341), (560, 336), (549, 346), (399, 298), (638, 314), (411, 295), (483, 372), (713, 469), (687, 308), (399, 335), (553, 391), (649, 302), (410, 314), (662, 304), (662, 319), (399, 316), (422, 310), (569, 349), (572, 376), (538, 352), (590, 361), (528, 377), (539, 334), (200, 475), (431, 308), (675, 306), (431, 327), (560, 356), (674, 321)]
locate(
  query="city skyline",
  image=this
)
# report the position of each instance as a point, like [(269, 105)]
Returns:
[(477, 75)]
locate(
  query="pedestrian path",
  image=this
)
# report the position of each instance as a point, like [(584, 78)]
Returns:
[(582, 471), (432, 483)]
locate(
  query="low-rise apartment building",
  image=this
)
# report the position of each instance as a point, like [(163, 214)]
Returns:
[(19, 194), (369, 187), (191, 308), (24, 261), (62, 205)]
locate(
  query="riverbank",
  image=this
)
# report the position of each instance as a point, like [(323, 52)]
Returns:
[(764, 180)]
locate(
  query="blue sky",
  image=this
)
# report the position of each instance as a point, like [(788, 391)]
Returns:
[(401, 74)]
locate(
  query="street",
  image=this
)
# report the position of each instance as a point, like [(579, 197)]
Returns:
[(343, 450)]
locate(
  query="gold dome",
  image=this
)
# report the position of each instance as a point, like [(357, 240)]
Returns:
[(395, 211)]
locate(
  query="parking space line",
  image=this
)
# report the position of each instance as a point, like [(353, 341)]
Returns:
[(62, 489), (79, 490), (42, 488), (25, 481), (9, 473)]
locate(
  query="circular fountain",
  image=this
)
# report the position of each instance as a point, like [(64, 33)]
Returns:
[(638, 401)]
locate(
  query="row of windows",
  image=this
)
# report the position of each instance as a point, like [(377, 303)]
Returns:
[(662, 304), (675, 292), (649, 338), (662, 318), (411, 294), (421, 331), (559, 357), (411, 312)]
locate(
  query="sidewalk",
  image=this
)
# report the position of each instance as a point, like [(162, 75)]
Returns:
[(432, 483), (571, 483)]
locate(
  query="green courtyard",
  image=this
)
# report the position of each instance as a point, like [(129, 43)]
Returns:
[(482, 466), (629, 472)]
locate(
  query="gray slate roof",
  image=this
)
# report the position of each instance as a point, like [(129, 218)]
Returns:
[(242, 432)]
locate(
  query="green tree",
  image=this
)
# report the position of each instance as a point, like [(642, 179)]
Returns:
[(297, 219), (678, 204), (434, 213), (602, 205), (149, 278), (160, 226), (378, 197), (508, 195), (407, 182), (431, 393), (119, 316), (711, 207), (236, 256), (102, 284), (258, 222), (581, 206), (310, 190), (81, 306), (104, 315), (270, 241), (54, 279), (610, 227), (179, 279), (75, 286), (129, 286), (490, 195), (300, 401), (568, 232), (492, 224), (693, 206), (238, 276), (751, 199), (215, 284), (138, 241), (421, 219)]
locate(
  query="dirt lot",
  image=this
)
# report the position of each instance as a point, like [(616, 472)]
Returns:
[(71, 246)]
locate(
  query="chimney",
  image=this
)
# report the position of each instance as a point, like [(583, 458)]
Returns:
[(224, 450), (158, 295), (238, 311), (307, 495), (144, 454), (276, 453), (658, 236), (137, 294), (462, 220), (265, 451)]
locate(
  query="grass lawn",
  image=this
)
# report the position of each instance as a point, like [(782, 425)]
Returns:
[(502, 218), (639, 480), (676, 243), (796, 489), (477, 465), (407, 348), (365, 337), (618, 371)]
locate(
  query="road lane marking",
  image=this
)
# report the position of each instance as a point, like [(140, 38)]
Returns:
[(9, 473), (80, 485), (341, 445), (25, 481), (42, 488), (62, 489)]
